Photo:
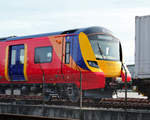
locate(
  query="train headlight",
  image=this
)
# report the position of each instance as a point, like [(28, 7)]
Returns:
[(93, 64), (119, 80)]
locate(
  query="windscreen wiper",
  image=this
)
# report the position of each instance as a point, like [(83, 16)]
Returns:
[(100, 50)]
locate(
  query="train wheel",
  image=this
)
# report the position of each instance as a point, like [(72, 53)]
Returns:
[(73, 93)]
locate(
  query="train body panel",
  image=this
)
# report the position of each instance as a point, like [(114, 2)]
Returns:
[(55, 71)]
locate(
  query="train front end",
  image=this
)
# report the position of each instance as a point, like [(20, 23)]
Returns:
[(108, 53), (107, 58)]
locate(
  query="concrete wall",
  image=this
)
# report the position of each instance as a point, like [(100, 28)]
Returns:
[(75, 112)]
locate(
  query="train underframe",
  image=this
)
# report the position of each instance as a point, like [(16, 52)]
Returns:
[(67, 91)]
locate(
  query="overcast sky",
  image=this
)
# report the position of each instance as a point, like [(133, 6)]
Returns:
[(26, 17)]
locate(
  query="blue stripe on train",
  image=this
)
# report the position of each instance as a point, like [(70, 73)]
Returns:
[(75, 51)]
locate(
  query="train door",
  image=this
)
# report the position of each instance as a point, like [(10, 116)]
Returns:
[(70, 58), (68, 52), (66, 58), (16, 63)]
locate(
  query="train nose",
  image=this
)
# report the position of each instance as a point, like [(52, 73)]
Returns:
[(110, 68)]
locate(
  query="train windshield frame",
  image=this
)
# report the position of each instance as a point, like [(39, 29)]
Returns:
[(105, 47)]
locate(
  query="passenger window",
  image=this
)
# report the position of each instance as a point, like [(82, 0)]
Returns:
[(43, 55), (67, 53), (21, 56), (13, 57)]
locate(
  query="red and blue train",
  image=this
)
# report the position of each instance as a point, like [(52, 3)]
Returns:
[(61, 61)]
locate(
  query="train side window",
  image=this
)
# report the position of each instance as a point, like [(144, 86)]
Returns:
[(67, 53), (22, 56), (43, 55), (13, 57)]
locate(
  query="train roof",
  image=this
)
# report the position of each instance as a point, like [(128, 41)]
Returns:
[(87, 30)]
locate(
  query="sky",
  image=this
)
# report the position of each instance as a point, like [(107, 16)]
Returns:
[(27, 17)]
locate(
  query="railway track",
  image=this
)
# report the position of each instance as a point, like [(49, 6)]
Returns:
[(130, 103)]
